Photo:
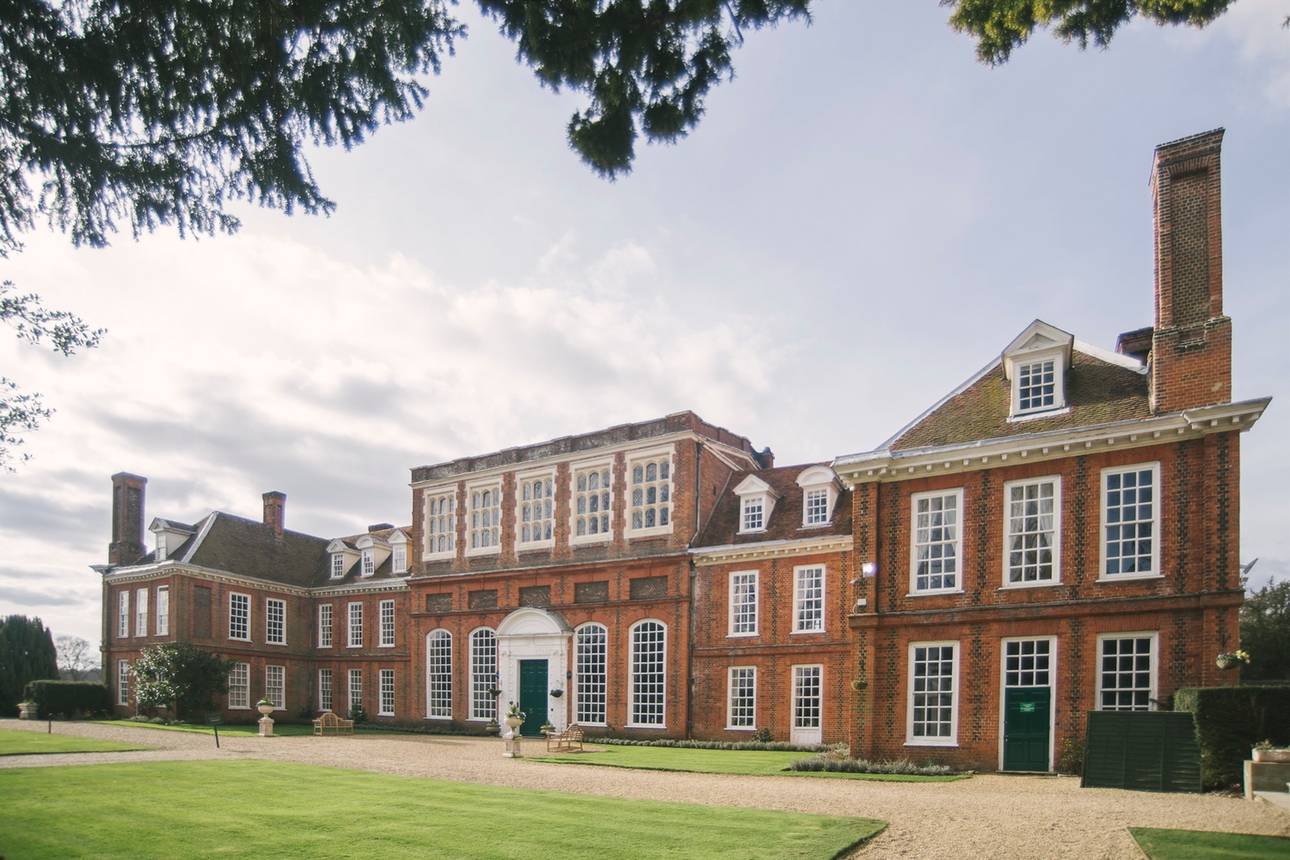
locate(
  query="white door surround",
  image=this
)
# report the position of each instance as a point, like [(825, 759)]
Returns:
[(534, 634)]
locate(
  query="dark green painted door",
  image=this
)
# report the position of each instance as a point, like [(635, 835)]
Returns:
[(533, 696), (1026, 723)]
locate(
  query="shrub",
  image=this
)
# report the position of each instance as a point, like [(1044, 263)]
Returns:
[(826, 763), (772, 746), (762, 736), (70, 699), (180, 677), (358, 715), (1070, 756), (1230, 721)]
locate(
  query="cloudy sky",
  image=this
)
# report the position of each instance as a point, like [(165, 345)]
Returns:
[(864, 218)]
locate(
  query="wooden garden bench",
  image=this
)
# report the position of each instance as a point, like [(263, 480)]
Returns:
[(329, 722), (568, 740)]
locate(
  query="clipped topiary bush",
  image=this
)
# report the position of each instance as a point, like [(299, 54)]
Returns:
[(69, 699), (1231, 720)]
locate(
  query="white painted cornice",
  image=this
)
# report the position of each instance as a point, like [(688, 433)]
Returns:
[(710, 555), (147, 573), (887, 465)]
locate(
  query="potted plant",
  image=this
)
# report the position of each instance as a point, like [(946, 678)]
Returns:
[(27, 709), (495, 692), (265, 706), (1264, 751), (514, 717), (547, 728), (1228, 660), (555, 694)]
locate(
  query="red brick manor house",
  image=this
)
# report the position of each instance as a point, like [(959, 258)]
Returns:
[(1059, 534)]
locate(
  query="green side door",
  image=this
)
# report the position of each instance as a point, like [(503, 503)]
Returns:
[(533, 693), (1027, 721)]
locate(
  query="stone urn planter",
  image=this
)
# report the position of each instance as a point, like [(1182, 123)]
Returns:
[(1279, 756), (27, 710), (513, 723), (264, 709)]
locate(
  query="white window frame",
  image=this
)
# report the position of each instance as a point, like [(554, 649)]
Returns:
[(591, 662), (439, 675), (278, 684), (324, 690), (354, 624), (546, 480), (643, 459), (367, 562), (637, 706), (1025, 360), (123, 614), (338, 565), (799, 600), (751, 717), (385, 693), (955, 701), (810, 496), (440, 523), (604, 509), (1056, 481), (239, 694), (475, 527), (398, 558), (798, 670), (385, 613), (483, 674), (326, 624), (354, 689), (752, 513), (123, 682), (1153, 691), (752, 578), (141, 612), (269, 632), (914, 499), (163, 610), (1156, 520), (245, 601)]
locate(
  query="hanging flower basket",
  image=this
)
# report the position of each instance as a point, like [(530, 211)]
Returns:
[(1231, 660), (555, 694)]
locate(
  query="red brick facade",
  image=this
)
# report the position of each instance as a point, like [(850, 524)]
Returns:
[(1068, 509)]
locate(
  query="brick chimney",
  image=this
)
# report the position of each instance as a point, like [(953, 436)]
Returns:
[(127, 519), (1191, 350), (274, 505)]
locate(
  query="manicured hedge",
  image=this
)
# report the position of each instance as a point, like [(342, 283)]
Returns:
[(69, 698), (1229, 721)]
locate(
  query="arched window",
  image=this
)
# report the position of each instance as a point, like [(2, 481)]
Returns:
[(649, 663), (483, 674), (439, 674), (590, 681)]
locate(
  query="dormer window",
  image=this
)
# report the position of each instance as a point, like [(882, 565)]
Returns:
[(1035, 366), (398, 553), (337, 565), (756, 503), (369, 562), (820, 488), (161, 547)]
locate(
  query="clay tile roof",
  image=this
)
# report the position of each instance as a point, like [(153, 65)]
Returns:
[(249, 548), (384, 570), (1097, 391), (785, 521)]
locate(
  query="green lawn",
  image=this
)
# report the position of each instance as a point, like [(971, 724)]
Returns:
[(19, 742), (258, 809), (1203, 845), (709, 761)]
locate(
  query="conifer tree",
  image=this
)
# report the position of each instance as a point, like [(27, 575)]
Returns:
[(26, 654)]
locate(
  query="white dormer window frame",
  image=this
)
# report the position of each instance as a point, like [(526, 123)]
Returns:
[(1035, 366), (820, 490), (368, 559), (398, 553), (338, 565), (161, 547), (756, 504), (343, 557)]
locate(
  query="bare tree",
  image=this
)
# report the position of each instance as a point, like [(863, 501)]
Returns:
[(74, 657)]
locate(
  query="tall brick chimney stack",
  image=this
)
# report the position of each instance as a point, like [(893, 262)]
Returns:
[(127, 519), (274, 505), (1191, 350)]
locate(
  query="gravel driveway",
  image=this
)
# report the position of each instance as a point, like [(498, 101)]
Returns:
[(987, 816)]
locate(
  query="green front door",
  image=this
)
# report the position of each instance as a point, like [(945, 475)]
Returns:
[(1026, 723), (533, 696)]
